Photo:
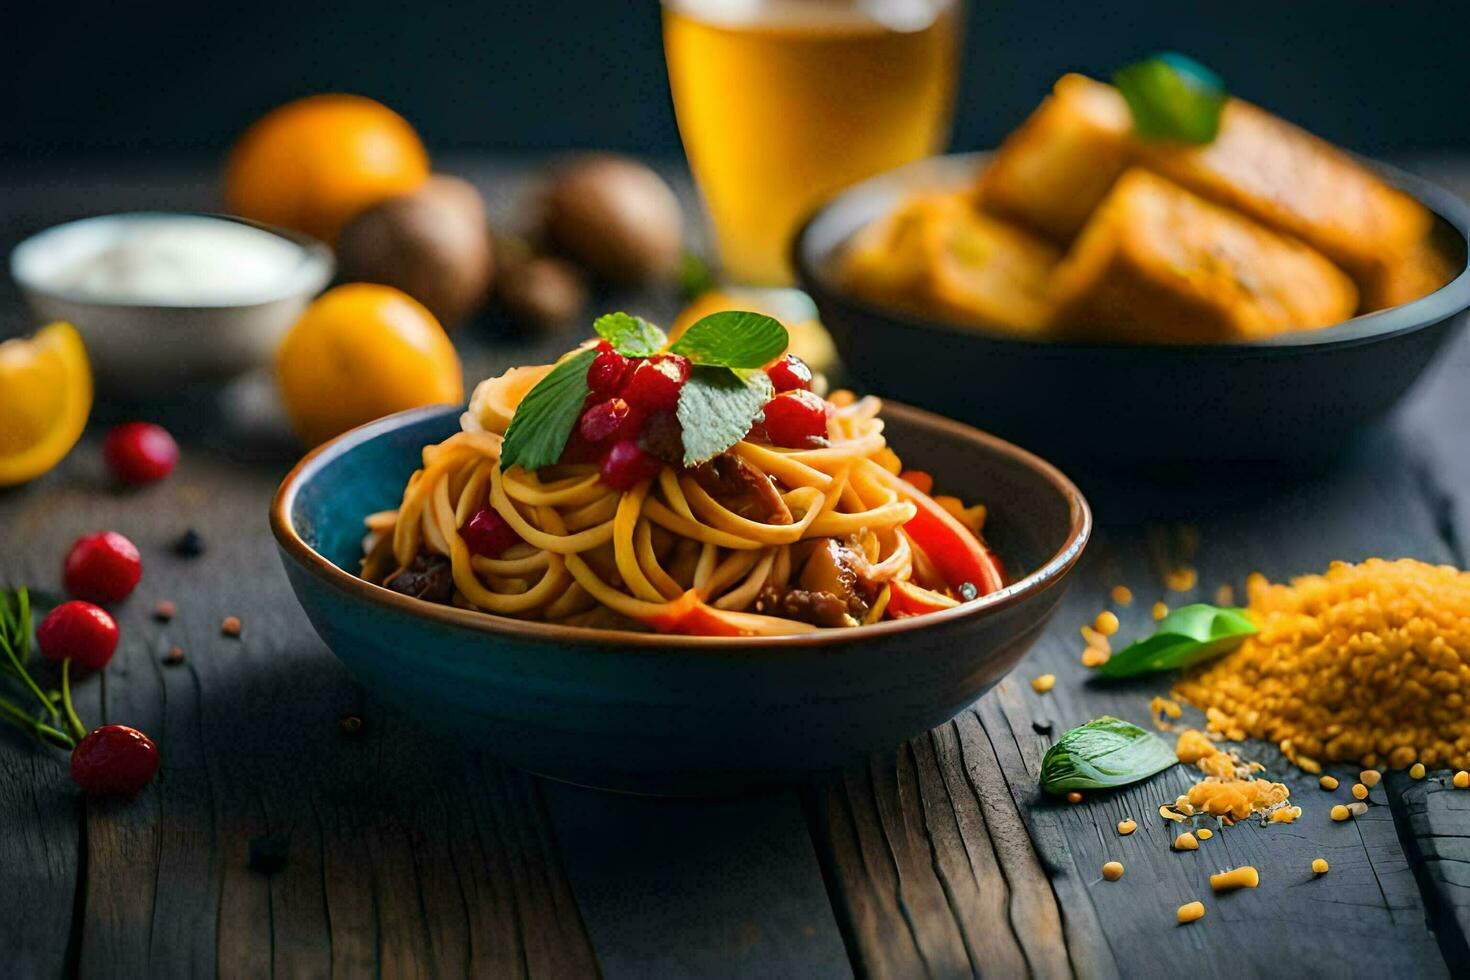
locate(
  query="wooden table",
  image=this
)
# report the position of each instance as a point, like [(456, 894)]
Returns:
[(409, 856)]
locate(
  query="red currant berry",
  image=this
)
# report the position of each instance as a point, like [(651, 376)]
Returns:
[(795, 418), (608, 371), (604, 420), (140, 452), (78, 631), (102, 567), (114, 760), (488, 535), (655, 382), (625, 465), (790, 373)]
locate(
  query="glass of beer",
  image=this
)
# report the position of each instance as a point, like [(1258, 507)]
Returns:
[(782, 103)]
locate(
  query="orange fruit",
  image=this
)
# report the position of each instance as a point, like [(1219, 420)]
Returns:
[(314, 163), (360, 352), (45, 397)]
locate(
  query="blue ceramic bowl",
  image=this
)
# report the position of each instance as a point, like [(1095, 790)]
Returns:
[(672, 714)]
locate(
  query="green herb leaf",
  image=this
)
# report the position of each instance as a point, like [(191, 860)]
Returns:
[(1187, 636), (631, 336), (695, 279), (1172, 97), (543, 421), (1101, 754), (717, 407), (733, 339)]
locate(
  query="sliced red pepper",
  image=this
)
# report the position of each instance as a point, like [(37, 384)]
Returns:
[(907, 599), (955, 551), (690, 615)]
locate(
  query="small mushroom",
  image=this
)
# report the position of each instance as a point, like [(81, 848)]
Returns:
[(616, 218), (432, 243)]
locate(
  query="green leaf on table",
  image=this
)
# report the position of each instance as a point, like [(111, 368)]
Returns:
[(631, 336), (1172, 97), (544, 420), (1187, 636), (1102, 754), (733, 339), (717, 407)]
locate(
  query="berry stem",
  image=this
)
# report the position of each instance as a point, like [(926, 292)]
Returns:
[(78, 732), (17, 668), (44, 732)]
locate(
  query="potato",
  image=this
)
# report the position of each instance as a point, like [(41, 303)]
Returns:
[(1423, 269), (1291, 181), (1159, 264), (939, 255), (1051, 173), (615, 218)]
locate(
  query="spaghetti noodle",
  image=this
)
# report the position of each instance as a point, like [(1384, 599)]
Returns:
[(760, 540)]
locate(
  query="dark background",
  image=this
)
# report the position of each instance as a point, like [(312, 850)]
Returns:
[(128, 80)]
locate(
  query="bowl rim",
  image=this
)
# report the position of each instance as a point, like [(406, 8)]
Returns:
[(317, 266), (1035, 582), (1451, 298)]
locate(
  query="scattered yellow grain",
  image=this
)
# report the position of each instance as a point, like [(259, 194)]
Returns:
[(1160, 610), (1181, 579), (1122, 595), (1327, 782), (1095, 639), (1229, 881), (1106, 623), (1225, 595), (1113, 870), (1360, 791), (1340, 813), (1092, 657), (1182, 804), (1386, 645), (1191, 912), (1462, 779), (1370, 777), (1319, 866), (1186, 842), (1126, 827), (1416, 771), (1285, 814), (1165, 706), (1204, 833), (1074, 797), (1043, 683), (1169, 813)]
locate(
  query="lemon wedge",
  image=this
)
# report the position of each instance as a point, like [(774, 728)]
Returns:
[(45, 397)]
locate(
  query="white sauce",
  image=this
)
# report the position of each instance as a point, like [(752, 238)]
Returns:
[(165, 260)]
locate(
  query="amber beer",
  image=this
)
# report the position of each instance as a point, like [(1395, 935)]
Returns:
[(781, 103)]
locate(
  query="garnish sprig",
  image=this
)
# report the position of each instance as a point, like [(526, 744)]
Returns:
[(1173, 97), (1187, 636), (15, 654)]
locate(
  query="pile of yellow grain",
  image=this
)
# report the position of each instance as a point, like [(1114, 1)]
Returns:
[(1366, 662)]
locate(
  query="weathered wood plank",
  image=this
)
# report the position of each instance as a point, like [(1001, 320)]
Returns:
[(697, 888)]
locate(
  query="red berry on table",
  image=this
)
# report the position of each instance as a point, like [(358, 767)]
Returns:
[(795, 418), (606, 419), (625, 465), (140, 452), (655, 383), (488, 535), (102, 567), (114, 760), (606, 375), (790, 373), (80, 632)]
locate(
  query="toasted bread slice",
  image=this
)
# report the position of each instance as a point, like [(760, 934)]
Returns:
[(1291, 181), (1159, 264), (1424, 269), (1051, 173), (938, 255)]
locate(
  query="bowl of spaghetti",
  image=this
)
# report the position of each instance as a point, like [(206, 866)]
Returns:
[(668, 565)]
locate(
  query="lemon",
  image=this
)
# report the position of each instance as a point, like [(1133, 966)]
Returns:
[(45, 397), (360, 352)]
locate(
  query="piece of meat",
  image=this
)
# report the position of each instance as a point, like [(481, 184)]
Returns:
[(743, 489), (429, 577), (802, 605)]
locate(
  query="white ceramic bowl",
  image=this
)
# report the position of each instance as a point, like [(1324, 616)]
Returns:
[(148, 348)]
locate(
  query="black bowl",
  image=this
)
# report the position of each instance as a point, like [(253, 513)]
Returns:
[(1297, 397)]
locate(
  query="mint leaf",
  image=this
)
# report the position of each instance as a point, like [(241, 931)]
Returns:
[(1102, 754), (631, 336), (1187, 636), (544, 419), (717, 408), (733, 339), (1172, 97)]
